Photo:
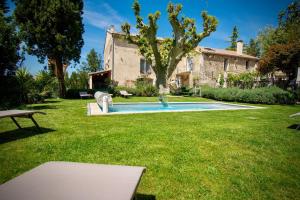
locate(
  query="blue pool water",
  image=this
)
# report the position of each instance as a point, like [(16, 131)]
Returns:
[(158, 107)]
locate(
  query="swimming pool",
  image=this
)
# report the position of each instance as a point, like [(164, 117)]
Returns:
[(123, 108)]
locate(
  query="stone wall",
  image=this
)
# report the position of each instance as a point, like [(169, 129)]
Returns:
[(206, 67), (127, 63), (213, 65), (108, 51)]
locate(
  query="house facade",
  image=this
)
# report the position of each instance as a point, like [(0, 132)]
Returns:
[(124, 64)]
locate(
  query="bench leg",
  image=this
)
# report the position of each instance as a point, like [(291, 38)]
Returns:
[(35, 123), (15, 121)]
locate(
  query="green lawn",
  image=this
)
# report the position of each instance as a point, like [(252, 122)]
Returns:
[(246, 154)]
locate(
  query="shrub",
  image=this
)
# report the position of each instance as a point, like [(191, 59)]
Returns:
[(265, 95), (244, 80), (46, 84), (181, 91)]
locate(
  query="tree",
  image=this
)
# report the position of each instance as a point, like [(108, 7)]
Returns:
[(3, 6), (9, 42), (233, 39), (283, 46), (284, 57), (52, 29), (253, 48), (164, 54), (267, 37), (78, 80), (93, 62)]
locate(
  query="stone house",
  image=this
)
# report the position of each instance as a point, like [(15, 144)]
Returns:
[(123, 63)]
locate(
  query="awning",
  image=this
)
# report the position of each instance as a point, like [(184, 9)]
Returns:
[(99, 72)]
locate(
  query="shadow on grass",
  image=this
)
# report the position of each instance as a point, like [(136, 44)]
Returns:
[(41, 107), (144, 197), (52, 101), (295, 126), (17, 134)]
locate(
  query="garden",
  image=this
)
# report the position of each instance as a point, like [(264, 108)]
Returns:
[(207, 154)]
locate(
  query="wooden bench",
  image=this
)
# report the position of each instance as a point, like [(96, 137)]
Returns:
[(20, 113)]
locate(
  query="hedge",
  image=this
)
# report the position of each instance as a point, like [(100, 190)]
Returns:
[(264, 95)]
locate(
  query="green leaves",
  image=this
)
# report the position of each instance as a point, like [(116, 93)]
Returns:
[(165, 54), (51, 28)]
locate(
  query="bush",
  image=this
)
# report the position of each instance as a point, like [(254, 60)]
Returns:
[(141, 90), (244, 80), (143, 87), (265, 95), (181, 91), (46, 84)]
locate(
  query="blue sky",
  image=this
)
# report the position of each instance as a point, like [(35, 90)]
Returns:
[(250, 16)]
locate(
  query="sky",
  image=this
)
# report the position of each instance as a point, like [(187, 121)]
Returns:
[(250, 16)]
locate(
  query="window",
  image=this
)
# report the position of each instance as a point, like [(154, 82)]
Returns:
[(189, 64), (225, 64), (247, 64), (144, 67)]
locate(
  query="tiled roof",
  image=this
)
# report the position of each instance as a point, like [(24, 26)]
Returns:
[(224, 52), (208, 50)]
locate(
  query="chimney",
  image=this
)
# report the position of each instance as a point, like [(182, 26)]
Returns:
[(111, 28), (239, 47)]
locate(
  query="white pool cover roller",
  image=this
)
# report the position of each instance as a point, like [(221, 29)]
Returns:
[(104, 100)]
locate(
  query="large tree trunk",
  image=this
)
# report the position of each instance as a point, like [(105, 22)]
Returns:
[(161, 79), (60, 77)]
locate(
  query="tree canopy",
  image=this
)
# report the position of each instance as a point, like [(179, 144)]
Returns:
[(233, 39), (253, 48), (93, 63), (281, 45), (165, 54), (9, 42), (52, 29)]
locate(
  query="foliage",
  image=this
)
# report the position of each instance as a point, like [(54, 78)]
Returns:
[(267, 37), (284, 57), (253, 48), (3, 6), (281, 45), (46, 84), (78, 80), (244, 80), (52, 29), (9, 43), (233, 39), (93, 63), (266, 95), (26, 81), (145, 89), (27, 87), (142, 88), (181, 91), (165, 54)]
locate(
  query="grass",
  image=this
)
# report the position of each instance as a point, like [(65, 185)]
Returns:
[(241, 154)]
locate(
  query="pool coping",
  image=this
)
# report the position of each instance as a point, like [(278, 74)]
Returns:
[(92, 112)]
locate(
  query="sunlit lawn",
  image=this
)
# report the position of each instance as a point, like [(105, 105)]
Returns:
[(246, 154)]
